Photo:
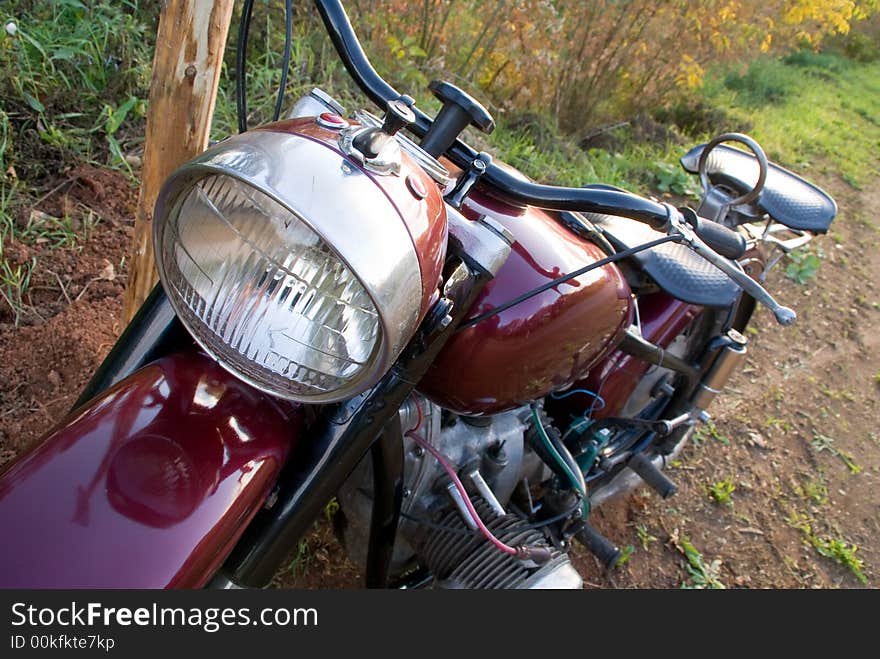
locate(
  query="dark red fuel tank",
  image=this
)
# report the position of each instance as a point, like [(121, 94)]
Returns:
[(543, 344), (147, 486)]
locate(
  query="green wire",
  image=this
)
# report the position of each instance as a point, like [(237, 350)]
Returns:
[(542, 433)]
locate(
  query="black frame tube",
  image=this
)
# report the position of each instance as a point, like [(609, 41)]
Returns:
[(605, 201), (387, 455)]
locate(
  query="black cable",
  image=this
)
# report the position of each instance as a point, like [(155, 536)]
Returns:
[(577, 273), (288, 27), (244, 27)]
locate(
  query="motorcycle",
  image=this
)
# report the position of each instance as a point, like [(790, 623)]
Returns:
[(467, 360)]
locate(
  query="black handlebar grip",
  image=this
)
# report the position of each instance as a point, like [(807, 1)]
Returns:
[(726, 242)]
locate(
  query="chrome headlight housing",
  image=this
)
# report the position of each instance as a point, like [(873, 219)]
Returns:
[(288, 264)]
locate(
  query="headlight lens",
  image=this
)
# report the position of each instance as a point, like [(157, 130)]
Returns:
[(294, 269), (264, 293)]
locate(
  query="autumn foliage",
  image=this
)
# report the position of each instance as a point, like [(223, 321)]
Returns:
[(589, 61)]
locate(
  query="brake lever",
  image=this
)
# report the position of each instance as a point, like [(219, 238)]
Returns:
[(677, 225)]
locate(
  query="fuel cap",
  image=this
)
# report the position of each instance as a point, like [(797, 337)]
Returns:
[(331, 120)]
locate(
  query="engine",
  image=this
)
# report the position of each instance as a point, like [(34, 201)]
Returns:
[(494, 461)]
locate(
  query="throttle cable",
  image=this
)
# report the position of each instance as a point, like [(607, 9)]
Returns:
[(675, 238)]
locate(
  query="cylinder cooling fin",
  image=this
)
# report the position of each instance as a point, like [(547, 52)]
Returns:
[(460, 559)]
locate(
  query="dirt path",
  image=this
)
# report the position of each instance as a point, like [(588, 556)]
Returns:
[(791, 432), (797, 436)]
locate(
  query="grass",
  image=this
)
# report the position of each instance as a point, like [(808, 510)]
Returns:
[(58, 232), (807, 109), (824, 443), (709, 431), (14, 283), (80, 70), (561, 162), (836, 548), (313, 63)]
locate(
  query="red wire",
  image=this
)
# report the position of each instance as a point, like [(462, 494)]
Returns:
[(419, 410), (421, 441)]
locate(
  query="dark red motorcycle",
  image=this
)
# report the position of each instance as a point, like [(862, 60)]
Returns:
[(467, 360)]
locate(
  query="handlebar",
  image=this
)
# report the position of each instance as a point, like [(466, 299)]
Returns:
[(591, 200), (726, 242), (612, 202)]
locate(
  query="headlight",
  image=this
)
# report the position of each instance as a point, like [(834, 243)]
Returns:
[(289, 266)]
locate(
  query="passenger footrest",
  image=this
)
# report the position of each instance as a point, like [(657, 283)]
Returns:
[(601, 547), (652, 475)]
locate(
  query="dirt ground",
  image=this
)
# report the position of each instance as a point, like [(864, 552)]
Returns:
[(796, 435)]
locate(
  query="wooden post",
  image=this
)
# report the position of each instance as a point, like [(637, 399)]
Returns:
[(186, 72)]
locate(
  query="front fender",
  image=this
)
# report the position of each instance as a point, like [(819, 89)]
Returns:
[(149, 485)]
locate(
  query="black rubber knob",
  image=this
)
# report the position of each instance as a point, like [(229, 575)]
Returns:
[(602, 548), (460, 110)]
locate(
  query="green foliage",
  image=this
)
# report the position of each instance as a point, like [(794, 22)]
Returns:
[(57, 232), (844, 553), (824, 443), (405, 54), (815, 123), (111, 119), (802, 266), (764, 82), (860, 47), (331, 509), (673, 179), (817, 491), (702, 575), (644, 536), (64, 63), (625, 554), (552, 158), (313, 63), (721, 491), (14, 283), (697, 117), (302, 559), (707, 431), (811, 59)]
